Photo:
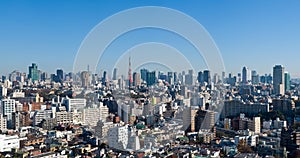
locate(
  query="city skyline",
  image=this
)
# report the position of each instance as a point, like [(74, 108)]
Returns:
[(257, 36)]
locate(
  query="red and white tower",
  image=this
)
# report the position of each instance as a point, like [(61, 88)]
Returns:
[(129, 74)]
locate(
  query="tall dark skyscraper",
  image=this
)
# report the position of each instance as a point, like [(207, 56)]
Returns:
[(104, 78), (115, 74), (200, 77), (151, 78), (170, 77), (144, 74), (287, 81), (33, 72), (175, 77), (278, 80), (244, 75), (206, 76), (60, 75)]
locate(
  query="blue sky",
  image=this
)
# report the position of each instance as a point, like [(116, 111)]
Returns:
[(258, 34)]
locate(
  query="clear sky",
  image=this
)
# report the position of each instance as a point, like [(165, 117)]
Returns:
[(253, 33)]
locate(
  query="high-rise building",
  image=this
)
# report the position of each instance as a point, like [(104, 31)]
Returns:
[(33, 72), (170, 78), (175, 77), (136, 79), (287, 81), (60, 75), (85, 79), (278, 80), (246, 75), (200, 77), (115, 74), (189, 78), (7, 108), (206, 76), (104, 78), (144, 74), (255, 77), (151, 78)]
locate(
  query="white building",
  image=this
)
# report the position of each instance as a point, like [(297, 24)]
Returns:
[(104, 111), (3, 91), (3, 122), (118, 137), (91, 116), (18, 94), (7, 108), (74, 103), (9, 142)]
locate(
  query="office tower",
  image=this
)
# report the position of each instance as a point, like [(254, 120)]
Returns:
[(278, 80), (216, 78), (175, 77), (85, 79), (144, 74), (239, 78), (200, 77), (246, 76), (170, 78), (104, 78), (44, 76), (206, 76), (115, 74), (255, 77), (151, 78), (60, 75), (129, 74), (33, 72), (287, 81), (189, 77), (7, 108), (223, 76), (136, 79)]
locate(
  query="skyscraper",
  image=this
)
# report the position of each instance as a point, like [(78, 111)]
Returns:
[(60, 75), (255, 77), (136, 79), (104, 78), (246, 76), (33, 72), (287, 81), (85, 79), (200, 77), (206, 76), (115, 74), (144, 74), (170, 77), (278, 80), (151, 78)]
